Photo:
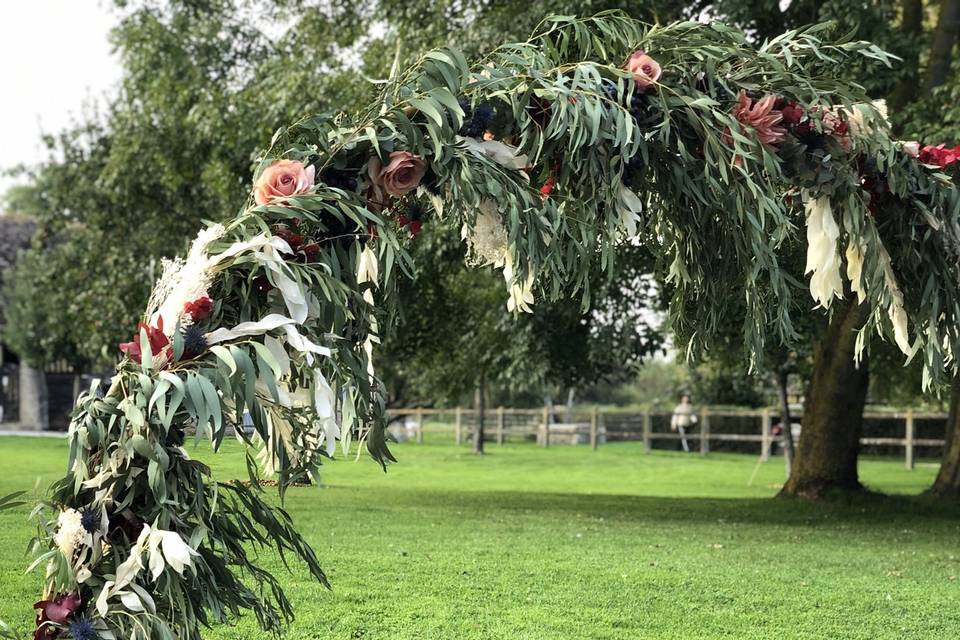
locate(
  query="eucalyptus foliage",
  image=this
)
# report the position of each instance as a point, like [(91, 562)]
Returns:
[(301, 284)]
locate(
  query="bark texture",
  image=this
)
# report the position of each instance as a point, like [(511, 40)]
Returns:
[(912, 25), (826, 456), (478, 428), (948, 479), (34, 400), (783, 378), (944, 39)]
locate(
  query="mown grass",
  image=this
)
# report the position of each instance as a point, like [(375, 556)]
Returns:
[(568, 543)]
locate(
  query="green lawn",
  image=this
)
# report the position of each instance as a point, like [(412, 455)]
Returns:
[(568, 543)]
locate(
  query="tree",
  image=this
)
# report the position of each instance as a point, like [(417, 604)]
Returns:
[(456, 337), (67, 300), (898, 27)]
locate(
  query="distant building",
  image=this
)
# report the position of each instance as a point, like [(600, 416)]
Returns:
[(29, 399)]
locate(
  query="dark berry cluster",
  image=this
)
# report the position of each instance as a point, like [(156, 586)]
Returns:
[(637, 106), (340, 179)]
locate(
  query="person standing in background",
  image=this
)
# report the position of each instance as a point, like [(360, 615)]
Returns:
[(683, 417)]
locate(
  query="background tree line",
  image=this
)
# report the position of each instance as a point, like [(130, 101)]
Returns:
[(204, 84)]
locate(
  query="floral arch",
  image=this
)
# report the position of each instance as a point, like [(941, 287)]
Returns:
[(549, 153)]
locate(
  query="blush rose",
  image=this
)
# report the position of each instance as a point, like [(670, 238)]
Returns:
[(401, 175), (646, 71), (282, 179)]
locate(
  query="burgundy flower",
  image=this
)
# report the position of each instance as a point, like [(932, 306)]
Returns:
[(55, 611), (200, 309), (792, 113), (310, 251), (261, 285), (155, 336), (292, 238), (413, 226)]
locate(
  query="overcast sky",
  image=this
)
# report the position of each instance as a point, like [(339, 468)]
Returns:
[(54, 56)]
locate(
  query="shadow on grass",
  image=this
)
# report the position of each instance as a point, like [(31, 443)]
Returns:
[(861, 508)]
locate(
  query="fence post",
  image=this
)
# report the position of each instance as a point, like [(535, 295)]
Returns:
[(704, 432), (456, 425), (647, 423), (419, 425), (545, 441), (593, 428), (909, 439), (499, 425), (765, 435)]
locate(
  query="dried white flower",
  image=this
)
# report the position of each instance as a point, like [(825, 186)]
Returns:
[(183, 280), (823, 258), (503, 154), (70, 532), (854, 255), (896, 311), (487, 240)]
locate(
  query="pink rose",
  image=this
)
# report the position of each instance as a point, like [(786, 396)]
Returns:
[(282, 179), (646, 71), (401, 176)]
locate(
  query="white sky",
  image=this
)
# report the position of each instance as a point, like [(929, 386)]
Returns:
[(54, 57)]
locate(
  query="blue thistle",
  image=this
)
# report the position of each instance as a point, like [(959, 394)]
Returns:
[(83, 629), (475, 123), (89, 520), (194, 343)]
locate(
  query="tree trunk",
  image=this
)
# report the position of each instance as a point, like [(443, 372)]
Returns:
[(34, 401), (911, 25), (833, 410), (944, 39), (785, 420), (948, 479), (479, 403)]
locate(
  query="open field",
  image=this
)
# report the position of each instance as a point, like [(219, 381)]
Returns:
[(568, 543)]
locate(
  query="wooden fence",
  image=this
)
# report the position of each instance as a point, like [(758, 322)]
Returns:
[(594, 427)]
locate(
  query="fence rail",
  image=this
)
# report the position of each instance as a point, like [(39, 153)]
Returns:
[(595, 427)]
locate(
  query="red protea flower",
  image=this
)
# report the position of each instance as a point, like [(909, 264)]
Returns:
[(939, 155), (155, 336), (56, 611), (761, 117), (200, 309)]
